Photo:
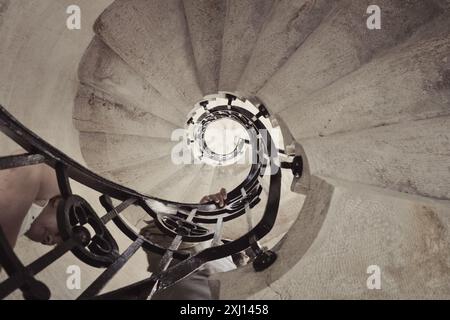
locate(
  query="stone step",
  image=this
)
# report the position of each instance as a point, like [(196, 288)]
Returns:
[(444, 4), (291, 23), (302, 233), (95, 111), (152, 37), (243, 23), (290, 206), (103, 69), (438, 27), (106, 151), (206, 20), (342, 44), (411, 157), (410, 83), (228, 177), (200, 183), (406, 239), (145, 175), (344, 228), (175, 187)]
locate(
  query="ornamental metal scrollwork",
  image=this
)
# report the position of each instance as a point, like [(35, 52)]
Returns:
[(176, 225), (74, 216)]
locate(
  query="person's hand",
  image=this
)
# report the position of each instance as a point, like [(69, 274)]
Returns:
[(218, 198)]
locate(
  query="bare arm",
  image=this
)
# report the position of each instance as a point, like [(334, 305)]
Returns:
[(18, 189)]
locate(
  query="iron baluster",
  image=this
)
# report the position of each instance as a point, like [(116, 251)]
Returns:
[(217, 232), (22, 160), (109, 273), (168, 256), (114, 212)]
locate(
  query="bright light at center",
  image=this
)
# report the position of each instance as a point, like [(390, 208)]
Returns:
[(222, 136)]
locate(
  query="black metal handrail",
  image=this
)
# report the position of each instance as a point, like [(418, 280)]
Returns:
[(102, 250)]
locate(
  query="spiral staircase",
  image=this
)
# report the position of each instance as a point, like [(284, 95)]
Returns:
[(366, 110)]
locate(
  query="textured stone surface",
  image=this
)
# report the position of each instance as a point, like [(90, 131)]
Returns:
[(102, 69), (407, 237), (4, 4), (341, 45), (411, 247), (200, 183), (437, 27), (39, 59), (182, 179), (206, 20), (165, 190), (229, 177), (164, 57), (243, 23), (106, 151), (445, 4), (290, 24), (343, 226), (411, 157), (410, 83), (95, 111), (144, 175)]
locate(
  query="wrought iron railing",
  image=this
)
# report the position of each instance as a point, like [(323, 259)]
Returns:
[(74, 214)]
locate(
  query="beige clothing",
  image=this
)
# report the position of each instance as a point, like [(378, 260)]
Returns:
[(32, 214), (195, 287)]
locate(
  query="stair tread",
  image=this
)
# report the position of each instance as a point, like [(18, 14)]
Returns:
[(104, 151), (387, 90), (411, 157), (104, 70), (176, 185), (340, 45), (243, 23), (143, 176), (289, 25), (96, 112), (170, 68), (206, 21)]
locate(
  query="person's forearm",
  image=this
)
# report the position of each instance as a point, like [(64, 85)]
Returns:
[(11, 231), (18, 189)]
